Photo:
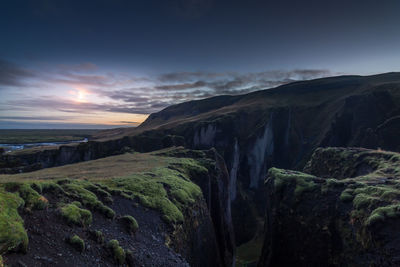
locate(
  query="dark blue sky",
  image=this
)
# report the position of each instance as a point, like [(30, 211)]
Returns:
[(108, 49)]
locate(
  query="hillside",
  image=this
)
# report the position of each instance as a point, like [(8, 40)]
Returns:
[(135, 209), (302, 93)]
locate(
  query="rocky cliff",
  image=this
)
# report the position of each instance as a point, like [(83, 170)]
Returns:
[(156, 217), (343, 210)]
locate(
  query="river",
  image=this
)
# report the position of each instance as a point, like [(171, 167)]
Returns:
[(13, 147)]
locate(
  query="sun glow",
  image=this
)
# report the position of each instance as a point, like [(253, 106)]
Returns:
[(79, 94)]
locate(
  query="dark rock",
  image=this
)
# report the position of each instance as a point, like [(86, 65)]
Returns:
[(314, 221)]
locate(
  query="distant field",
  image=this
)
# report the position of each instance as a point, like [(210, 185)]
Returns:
[(38, 136), (109, 167)]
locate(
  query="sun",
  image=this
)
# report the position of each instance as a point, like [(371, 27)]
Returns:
[(79, 94)]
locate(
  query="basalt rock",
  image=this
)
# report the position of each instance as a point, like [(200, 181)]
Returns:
[(349, 219)]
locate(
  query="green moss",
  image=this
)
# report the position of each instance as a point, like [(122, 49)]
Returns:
[(168, 190), (76, 215), (364, 201), (302, 182), (97, 236), (77, 203), (131, 223), (53, 187), (382, 213), (77, 189), (77, 243), (334, 183), (118, 252), (346, 195), (107, 211), (12, 233), (31, 197)]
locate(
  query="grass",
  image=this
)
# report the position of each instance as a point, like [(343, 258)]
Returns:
[(12, 232), (167, 190), (161, 183), (77, 243), (158, 182), (105, 168), (382, 213), (118, 252), (39, 136), (98, 236), (346, 195), (78, 190), (75, 215), (131, 223), (303, 182), (32, 199)]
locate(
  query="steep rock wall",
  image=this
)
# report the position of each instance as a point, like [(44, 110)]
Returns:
[(349, 219)]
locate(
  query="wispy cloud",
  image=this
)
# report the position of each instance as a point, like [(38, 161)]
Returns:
[(123, 93), (13, 75), (35, 118)]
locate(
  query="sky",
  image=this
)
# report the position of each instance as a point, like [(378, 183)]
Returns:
[(110, 63)]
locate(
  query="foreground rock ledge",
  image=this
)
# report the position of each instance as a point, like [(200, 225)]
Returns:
[(343, 210)]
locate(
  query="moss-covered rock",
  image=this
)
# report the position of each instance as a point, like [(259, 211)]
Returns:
[(97, 236), (12, 233), (302, 182), (75, 215), (82, 190), (32, 199), (77, 243), (131, 223), (118, 252), (335, 216), (168, 190)]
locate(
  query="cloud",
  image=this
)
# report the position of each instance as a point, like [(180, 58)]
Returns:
[(13, 75), (86, 67), (182, 86), (124, 93), (189, 76), (172, 88), (58, 104), (38, 118)]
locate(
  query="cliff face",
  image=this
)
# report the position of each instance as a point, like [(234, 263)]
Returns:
[(216, 191), (178, 223), (342, 211)]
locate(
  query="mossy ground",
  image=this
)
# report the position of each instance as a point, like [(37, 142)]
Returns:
[(117, 250), (302, 182), (158, 182), (73, 214), (77, 243), (12, 232), (374, 196), (131, 223)]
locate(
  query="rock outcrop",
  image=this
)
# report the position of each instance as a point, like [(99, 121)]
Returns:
[(342, 211)]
